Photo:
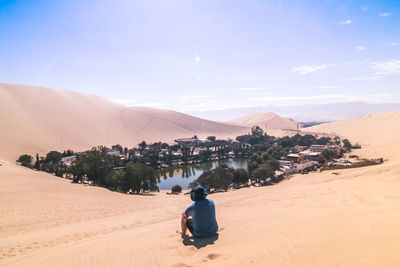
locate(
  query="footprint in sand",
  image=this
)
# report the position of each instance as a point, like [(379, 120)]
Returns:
[(212, 256), (181, 265)]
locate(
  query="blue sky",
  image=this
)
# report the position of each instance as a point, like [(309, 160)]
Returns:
[(209, 54)]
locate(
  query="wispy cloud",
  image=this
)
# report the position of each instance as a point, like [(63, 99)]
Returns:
[(360, 48), (307, 69), (328, 87), (387, 14), (254, 88), (387, 67), (125, 101), (194, 96), (394, 43), (345, 21), (363, 78), (309, 97), (330, 98)]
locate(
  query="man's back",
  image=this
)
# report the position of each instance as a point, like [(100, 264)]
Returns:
[(203, 214)]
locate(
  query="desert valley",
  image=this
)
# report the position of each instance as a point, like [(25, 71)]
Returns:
[(346, 217), (200, 133)]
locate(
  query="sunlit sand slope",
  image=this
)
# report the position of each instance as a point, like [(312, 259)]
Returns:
[(379, 134), (35, 119)]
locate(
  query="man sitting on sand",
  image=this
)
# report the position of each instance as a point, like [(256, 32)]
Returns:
[(202, 212)]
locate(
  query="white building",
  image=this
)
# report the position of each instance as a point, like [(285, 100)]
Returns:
[(318, 148), (67, 161)]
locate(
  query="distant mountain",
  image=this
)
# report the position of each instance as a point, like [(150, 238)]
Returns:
[(270, 122), (304, 113)]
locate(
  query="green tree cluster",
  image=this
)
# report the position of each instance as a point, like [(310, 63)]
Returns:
[(205, 155), (240, 177), (262, 166), (211, 138), (136, 178), (302, 140), (176, 189), (94, 164), (328, 154), (272, 153), (51, 163), (265, 172), (346, 144), (25, 160), (218, 179)]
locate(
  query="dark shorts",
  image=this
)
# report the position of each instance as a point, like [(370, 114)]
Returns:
[(189, 224)]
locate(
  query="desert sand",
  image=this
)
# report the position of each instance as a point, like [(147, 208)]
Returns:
[(37, 120), (342, 218)]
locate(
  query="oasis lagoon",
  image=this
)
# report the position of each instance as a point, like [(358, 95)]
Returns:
[(185, 174)]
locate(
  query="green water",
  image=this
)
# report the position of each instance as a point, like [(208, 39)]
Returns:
[(184, 175)]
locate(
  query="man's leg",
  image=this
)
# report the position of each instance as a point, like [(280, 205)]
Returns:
[(183, 224), (189, 225)]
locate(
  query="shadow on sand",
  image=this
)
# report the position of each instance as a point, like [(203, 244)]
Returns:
[(199, 242)]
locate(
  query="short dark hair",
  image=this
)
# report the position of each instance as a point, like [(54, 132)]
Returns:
[(198, 194)]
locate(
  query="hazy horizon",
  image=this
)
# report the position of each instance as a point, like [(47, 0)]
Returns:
[(209, 55)]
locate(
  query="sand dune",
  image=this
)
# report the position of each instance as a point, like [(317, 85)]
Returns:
[(35, 119), (378, 133), (270, 122), (349, 218)]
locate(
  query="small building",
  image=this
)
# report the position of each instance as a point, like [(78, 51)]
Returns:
[(293, 157), (318, 148), (190, 141), (67, 161), (310, 155), (113, 152), (285, 163), (298, 149), (299, 167)]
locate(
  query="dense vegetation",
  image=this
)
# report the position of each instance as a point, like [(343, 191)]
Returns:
[(136, 178), (134, 170), (176, 189), (25, 160)]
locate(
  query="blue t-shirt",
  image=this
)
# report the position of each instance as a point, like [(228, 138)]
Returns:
[(203, 214)]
